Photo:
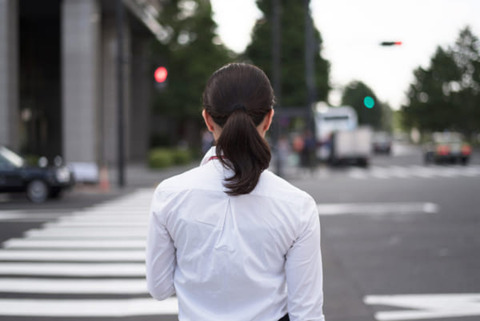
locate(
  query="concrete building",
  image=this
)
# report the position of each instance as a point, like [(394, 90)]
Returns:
[(59, 77)]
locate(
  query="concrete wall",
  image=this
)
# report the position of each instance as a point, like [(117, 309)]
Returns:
[(141, 84), (109, 98), (88, 80), (80, 79), (9, 111)]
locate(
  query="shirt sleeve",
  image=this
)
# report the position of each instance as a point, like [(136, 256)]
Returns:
[(160, 251), (304, 269)]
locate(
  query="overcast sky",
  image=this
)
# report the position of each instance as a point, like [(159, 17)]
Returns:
[(353, 29)]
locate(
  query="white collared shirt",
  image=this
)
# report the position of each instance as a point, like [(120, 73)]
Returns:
[(238, 258)]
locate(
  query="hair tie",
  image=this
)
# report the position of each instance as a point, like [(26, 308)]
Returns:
[(239, 107)]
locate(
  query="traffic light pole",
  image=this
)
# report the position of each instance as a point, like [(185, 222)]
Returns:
[(309, 66), (120, 16), (276, 36)]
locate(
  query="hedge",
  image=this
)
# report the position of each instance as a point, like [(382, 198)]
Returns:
[(165, 157)]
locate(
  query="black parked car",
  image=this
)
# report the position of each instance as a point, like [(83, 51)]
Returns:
[(38, 182)]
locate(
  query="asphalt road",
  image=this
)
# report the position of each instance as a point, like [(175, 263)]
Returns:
[(400, 242), (410, 234)]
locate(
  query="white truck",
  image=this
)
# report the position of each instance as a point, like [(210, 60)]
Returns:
[(342, 142), (351, 147)]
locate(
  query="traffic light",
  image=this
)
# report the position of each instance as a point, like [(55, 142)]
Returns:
[(369, 102), (161, 74), (390, 43)]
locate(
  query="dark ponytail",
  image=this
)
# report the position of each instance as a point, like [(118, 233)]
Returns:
[(238, 97)]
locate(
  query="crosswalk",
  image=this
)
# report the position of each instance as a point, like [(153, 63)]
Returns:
[(87, 264), (414, 171), (90, 263), (379, 172)]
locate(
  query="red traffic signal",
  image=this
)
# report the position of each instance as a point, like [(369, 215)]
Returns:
[(390, 43), (161, 74)]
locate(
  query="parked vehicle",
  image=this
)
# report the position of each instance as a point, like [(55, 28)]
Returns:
[(382, 143), (351, 147), (38, 182), (447, 147), (341, 140)]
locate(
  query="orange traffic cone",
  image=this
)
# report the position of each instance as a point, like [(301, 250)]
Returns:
[(104, 182)]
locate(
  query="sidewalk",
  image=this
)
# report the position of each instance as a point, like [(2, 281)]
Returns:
[(139, 175), (136, 176)]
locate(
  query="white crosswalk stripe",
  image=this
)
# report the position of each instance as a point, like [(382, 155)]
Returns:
[(104, 224), (75, 244), (82, 233), (73, 256), (87, 308), (73, 286), (97, 252), (414, 171), (74, 269)]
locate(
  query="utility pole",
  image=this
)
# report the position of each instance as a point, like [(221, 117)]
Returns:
[(309, 66), (276, 69), (276, 38), (120, 17)]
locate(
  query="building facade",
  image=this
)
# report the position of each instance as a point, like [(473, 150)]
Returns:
[(68, 69)]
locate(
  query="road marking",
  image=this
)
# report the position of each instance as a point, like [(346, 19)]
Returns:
[(413, 171), (108, 224), (379, 173), (377, 208), (74, 286), (73, 256), (108, 259), (421, 171), (86, 233), (398, 171), (426, 306), (103, 219), (87, 308), (471, 172), (74, 269), (74, 244), (28, 217), (448, 172), (358, 174)]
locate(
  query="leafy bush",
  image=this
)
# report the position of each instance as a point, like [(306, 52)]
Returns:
[(182, 156), (166, 157), (160, 158)]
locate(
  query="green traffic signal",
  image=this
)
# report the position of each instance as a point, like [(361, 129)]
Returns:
[(369, 102)]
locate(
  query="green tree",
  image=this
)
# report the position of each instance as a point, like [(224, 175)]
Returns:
[(446, 95), (292, 52), (191, 53), (466, 90), (377, 116), (387, 120), (430, 105)]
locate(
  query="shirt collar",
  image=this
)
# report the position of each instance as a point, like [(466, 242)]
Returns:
[(210, 153)]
